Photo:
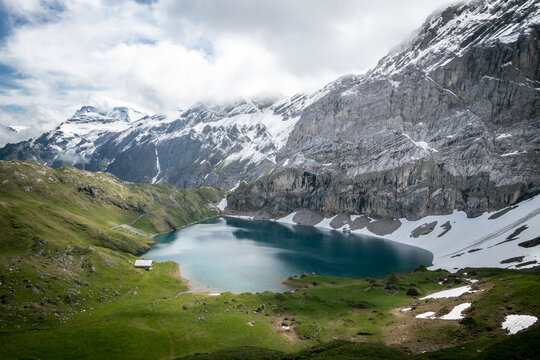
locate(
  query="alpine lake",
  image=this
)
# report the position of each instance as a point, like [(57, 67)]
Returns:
[(238, 255)]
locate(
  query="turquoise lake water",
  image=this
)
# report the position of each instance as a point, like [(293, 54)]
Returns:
[(230, 254)]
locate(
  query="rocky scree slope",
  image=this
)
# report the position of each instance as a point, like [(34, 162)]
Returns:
[(449, 122)]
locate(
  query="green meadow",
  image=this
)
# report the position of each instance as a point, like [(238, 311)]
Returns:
[(69, 289)]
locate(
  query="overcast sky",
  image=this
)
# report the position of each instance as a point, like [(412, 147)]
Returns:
[(159, 55)]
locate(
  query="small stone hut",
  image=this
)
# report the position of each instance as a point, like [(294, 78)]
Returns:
[(144, 264)]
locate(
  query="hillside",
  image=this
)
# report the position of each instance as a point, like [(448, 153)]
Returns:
[(333, 318), (66, 235)]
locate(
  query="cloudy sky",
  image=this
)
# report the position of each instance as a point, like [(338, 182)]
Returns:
[(159, 55)]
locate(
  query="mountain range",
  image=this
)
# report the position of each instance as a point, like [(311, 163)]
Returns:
[(447, 122)]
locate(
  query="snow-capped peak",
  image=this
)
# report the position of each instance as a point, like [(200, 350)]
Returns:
[(204, 112), (453, 31), (89, 113), (126, 114), (87, 110)]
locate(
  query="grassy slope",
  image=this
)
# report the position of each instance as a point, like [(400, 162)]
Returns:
[(341, 308), (61, 250), (68, 288), (139, 327)]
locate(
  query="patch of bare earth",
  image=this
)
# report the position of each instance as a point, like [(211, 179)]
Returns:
[(287, 331)]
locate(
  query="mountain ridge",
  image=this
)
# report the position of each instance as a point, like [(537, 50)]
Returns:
[(447, 122)]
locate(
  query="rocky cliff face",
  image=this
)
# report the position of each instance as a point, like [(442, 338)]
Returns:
[(449, 122)]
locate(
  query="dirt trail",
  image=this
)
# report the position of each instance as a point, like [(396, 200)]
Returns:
[(130, 223), (180, 292)]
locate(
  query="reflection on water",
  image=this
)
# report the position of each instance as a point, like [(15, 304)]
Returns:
[(229, 254)]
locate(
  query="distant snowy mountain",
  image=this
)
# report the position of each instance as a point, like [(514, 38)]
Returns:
[(75, 141), (218, 145)]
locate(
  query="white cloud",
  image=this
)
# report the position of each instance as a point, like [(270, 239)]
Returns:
[(173, 53), (36, 120), (23, 8)]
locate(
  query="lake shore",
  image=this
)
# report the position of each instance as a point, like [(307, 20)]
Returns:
[(455, 240), (231, 254)]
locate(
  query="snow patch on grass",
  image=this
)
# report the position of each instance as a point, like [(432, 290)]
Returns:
[(455, 314), (456, 292), (516, 323), (426, 315)]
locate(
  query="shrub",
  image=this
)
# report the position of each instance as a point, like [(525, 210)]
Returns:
[(412, 292), (421, 267), (307, 331), (392, 279), (469, 324)]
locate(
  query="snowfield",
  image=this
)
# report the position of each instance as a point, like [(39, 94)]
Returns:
[(489, 240), (222, 204)]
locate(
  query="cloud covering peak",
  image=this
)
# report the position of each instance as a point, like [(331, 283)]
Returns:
[(57, 55)]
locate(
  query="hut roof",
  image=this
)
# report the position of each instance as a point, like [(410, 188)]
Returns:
[(143, 263)]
